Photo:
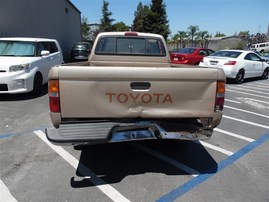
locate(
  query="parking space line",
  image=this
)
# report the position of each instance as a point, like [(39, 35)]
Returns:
[(249, 112), (266, 97), (194, 182), (257, 100), (5, 194), (224, 151), (252, 87), (247, 122), (249, 90), (258, 84), (233, 135), (232, 101), (108, 190), (158, 155)]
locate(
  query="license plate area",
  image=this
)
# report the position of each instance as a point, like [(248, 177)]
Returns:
[(213, 62)]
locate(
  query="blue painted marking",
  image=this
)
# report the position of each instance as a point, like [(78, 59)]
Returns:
[(173, 195), (6, 136), (20, 133)]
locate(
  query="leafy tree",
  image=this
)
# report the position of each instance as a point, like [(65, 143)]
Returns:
[(120, 27), (85, 29), (218, 34), (106, 21), (192, 32), (157, 19), (244, 35), (174, 40), (202, 38), (183, 38), (140, 22)]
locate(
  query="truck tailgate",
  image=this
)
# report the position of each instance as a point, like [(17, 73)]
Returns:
[(124, 92)]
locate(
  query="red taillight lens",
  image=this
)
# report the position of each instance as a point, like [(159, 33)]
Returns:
[(182, 58), (219, 103), (230, 63), (54, 104), (54, 100)]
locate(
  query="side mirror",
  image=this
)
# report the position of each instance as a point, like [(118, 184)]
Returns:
[(45, 53)]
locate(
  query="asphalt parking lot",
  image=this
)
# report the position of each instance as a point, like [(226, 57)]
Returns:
[(231, 166)]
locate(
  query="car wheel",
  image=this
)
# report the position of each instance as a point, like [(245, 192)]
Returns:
[(37, 83), (265, 73), (240, 77)]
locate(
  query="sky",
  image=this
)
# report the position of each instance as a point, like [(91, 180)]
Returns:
[(225, 16)]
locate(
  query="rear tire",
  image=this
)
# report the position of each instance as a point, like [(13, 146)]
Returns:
[(240, 77), (37, 83), (265, 73)]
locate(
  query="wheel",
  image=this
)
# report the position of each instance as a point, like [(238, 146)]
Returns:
[(265, 73), (37, 83), (240, 77)]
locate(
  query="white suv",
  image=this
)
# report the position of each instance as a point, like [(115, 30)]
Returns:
[(25, 63)]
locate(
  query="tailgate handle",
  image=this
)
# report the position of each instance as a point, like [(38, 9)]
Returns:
[(140, 85)]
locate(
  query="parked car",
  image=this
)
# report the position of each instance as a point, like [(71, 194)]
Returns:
[(190, 56), (238, 64), (80, 51), (25, 63)]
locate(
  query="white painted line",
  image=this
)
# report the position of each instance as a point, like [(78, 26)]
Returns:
[(248, 90), (249, 112), (234, 135), (257, 100), (108, 190), (5, 195), (247, 122), (263, 88), (158, 155), (224, 151), (232, 101), (259, 84), (266, 97)]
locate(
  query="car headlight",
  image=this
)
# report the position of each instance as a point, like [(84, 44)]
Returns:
[(15, 68)]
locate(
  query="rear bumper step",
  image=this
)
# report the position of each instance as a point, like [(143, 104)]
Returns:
[(106, 132)]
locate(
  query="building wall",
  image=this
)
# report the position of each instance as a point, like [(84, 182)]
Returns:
[(220, 43), (57, 19)]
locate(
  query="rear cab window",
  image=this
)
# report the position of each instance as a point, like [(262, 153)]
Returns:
[(118, 45)]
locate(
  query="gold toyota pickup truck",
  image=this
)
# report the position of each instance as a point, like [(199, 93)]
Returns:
[(128, 90)]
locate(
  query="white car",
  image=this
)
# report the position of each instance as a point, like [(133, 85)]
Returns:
[(26, 62), (237, 64)]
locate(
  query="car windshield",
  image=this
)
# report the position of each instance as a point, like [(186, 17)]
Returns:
[(17, 48), (228, 54), (186, 50)]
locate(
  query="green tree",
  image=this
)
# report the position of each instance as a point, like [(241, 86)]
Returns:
[(140, 22), (157, 19), (120, 27), (192, 32), (244, 35), (202, 38), (106, 21), (183, 38), (218, 34), (85, 29)]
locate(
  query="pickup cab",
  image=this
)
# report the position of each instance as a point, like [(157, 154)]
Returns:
[(129, 90)]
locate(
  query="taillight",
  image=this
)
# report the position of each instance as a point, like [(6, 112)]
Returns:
[(230, 63), (53, 92), (183, 58), (219, 103)]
